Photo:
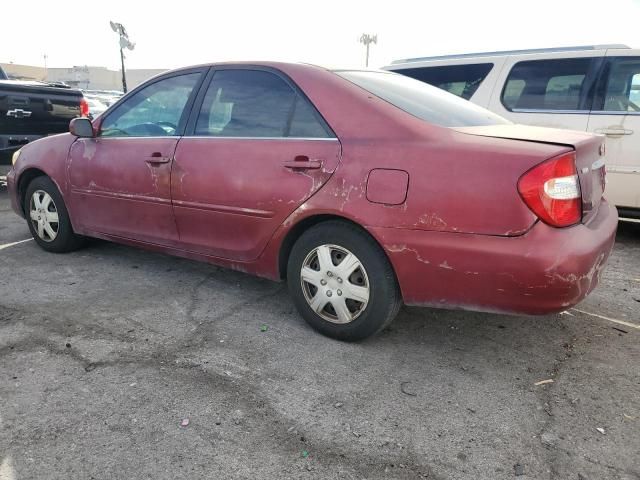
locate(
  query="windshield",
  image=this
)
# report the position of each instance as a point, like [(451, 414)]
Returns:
[(3, 76), (422, 100)]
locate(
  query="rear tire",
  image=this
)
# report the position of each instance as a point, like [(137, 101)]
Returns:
[(341, 281), (48, 218)]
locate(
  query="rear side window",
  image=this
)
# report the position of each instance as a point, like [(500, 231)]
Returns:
[(461, 80), (422, 100), (559, 84), (620, 91), (256, 104), (305, 121)]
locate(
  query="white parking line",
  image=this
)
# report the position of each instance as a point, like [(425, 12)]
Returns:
[(621, 322), (7, 245)]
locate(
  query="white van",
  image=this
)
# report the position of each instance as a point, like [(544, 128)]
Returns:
[(591, 88)]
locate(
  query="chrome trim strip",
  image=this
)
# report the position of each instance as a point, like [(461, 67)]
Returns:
[(122, 196), (613, 112), (623, 169), (131, 137), (572, 112), (539, 110), (306, 139), (251, 212)]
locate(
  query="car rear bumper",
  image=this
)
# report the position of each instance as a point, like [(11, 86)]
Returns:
[(543, 271)]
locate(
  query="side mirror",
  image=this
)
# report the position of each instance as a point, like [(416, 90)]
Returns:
[(81, 127)]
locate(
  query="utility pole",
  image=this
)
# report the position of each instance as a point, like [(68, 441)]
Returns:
[(367, 40), (124, 43)]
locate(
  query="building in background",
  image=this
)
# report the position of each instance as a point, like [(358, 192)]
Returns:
[(24, 72), (84, 77)]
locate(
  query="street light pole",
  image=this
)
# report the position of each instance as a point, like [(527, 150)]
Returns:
[(367, 40), (124, 43), (124, 76)]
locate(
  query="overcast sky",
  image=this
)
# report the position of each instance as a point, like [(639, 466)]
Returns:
[(324, 32)]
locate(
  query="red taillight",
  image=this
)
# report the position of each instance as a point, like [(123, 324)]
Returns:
[(552, 191), (84, 108)]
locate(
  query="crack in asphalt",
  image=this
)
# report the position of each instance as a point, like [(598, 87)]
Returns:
[(326, 454)]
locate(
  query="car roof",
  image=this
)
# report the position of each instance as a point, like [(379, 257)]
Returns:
[(513, 52)]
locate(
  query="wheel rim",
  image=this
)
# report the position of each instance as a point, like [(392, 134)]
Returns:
[(335, 284), (44, 215)]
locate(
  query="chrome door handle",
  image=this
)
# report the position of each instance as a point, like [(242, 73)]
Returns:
[(614, 131)]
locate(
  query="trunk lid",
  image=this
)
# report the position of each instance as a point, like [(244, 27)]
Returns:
[(589, 150)]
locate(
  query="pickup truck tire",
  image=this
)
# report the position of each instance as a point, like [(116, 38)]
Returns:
[(48, 218), (341, 281)]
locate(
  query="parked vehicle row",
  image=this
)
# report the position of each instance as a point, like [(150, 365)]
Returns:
[(31, 110), (362, 189), (100, 100), (593, 88)]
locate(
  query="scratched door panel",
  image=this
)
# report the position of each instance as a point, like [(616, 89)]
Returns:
[(117, 188), (230, 194)]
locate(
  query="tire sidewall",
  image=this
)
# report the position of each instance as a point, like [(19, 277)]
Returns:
[(383, 290), (65, 239)]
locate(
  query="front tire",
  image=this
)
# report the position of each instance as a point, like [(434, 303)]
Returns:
[(48, 218), (341, 281)]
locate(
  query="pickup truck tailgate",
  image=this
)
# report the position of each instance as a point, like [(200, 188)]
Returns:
[(34, 108)]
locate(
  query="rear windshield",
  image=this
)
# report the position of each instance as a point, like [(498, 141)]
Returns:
[(421, 100)]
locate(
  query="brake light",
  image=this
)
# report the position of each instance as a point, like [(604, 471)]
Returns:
[(552, 191), (84, 108)]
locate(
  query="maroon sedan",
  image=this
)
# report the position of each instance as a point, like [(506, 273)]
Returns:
[(363, 189)]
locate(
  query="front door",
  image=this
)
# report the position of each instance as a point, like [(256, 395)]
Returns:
[(120, 180), (257, 149), (616, 114)]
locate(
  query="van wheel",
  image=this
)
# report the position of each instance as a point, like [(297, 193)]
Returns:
[(342, 282), (48, 218)]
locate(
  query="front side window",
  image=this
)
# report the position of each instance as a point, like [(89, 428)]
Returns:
[(461, 80), (422, 100), (154, 111), (256, 104), (559, 84), (622, 85)]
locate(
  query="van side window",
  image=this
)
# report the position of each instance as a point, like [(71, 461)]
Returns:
[(621, 85), (562, 84), (461, 80)]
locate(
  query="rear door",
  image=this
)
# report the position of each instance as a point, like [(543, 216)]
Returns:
[(256, 149), (550, 91), (616, 114)]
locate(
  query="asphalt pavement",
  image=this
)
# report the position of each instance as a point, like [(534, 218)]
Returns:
[(120, 363)]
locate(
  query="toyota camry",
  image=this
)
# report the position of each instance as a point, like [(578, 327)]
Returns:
[(363, 190)]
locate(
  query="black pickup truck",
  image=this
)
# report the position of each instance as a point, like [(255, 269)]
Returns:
[(31, 110)]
